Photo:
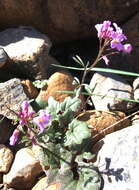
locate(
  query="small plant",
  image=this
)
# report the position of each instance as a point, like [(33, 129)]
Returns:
[(65, 142)]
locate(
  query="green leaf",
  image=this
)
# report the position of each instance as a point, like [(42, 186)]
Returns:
[(65, 118), (77, 132), (101, 70), (40, 103), (53, 105), (71, 103), (115, 71), (78, 60), (89, 179)]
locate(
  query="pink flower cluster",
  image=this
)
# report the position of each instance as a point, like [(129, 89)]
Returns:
[(25, 115), (114, 35)]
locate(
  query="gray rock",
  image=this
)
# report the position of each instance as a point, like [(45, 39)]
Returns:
[(136, 88), (28, 50), (117, 159), (6, 129), (24, 170), (110, 87), (11, 97), (3, 57)]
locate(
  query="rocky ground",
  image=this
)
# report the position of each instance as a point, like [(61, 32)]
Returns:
[(27, 55)]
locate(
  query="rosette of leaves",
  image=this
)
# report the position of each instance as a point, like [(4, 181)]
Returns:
[(66, 150)]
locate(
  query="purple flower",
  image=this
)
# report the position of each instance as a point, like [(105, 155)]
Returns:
[(118, 33), (116, 44), (104, 30), (117, 38), (14, 137), (42, 120), (105, 59), (127, 48), (25, 115)]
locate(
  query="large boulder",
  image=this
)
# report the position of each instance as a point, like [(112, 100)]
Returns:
[(28, 51), (64, 20), (117, 159)]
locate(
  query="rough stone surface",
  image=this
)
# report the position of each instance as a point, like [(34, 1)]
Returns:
[(41, 185), (118, 159), (65, 20), (28, 50), (102, 123), (136, 88), (57, 82), (6, 158), (3, 57), (30, 90), (110, 86), (11, 96), (24, 170), (6, 129)]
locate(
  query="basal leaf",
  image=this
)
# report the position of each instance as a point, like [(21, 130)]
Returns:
[(40, 103), (77, 132), (53, 105), (71, 103)]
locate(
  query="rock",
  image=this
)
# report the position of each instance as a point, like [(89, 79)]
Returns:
[(11, 97), (41, 184), (30, 90), (136, 88), (3, 57), (28, 50), (65, 20), (135, 119), (6, 129), (24, 170), (6, 158), (100, 122), (57, 82), (117, 159), (109, 87)]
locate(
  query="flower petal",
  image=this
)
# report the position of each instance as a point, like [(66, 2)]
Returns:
[(14, 137), (127, 48), (106, 59)]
